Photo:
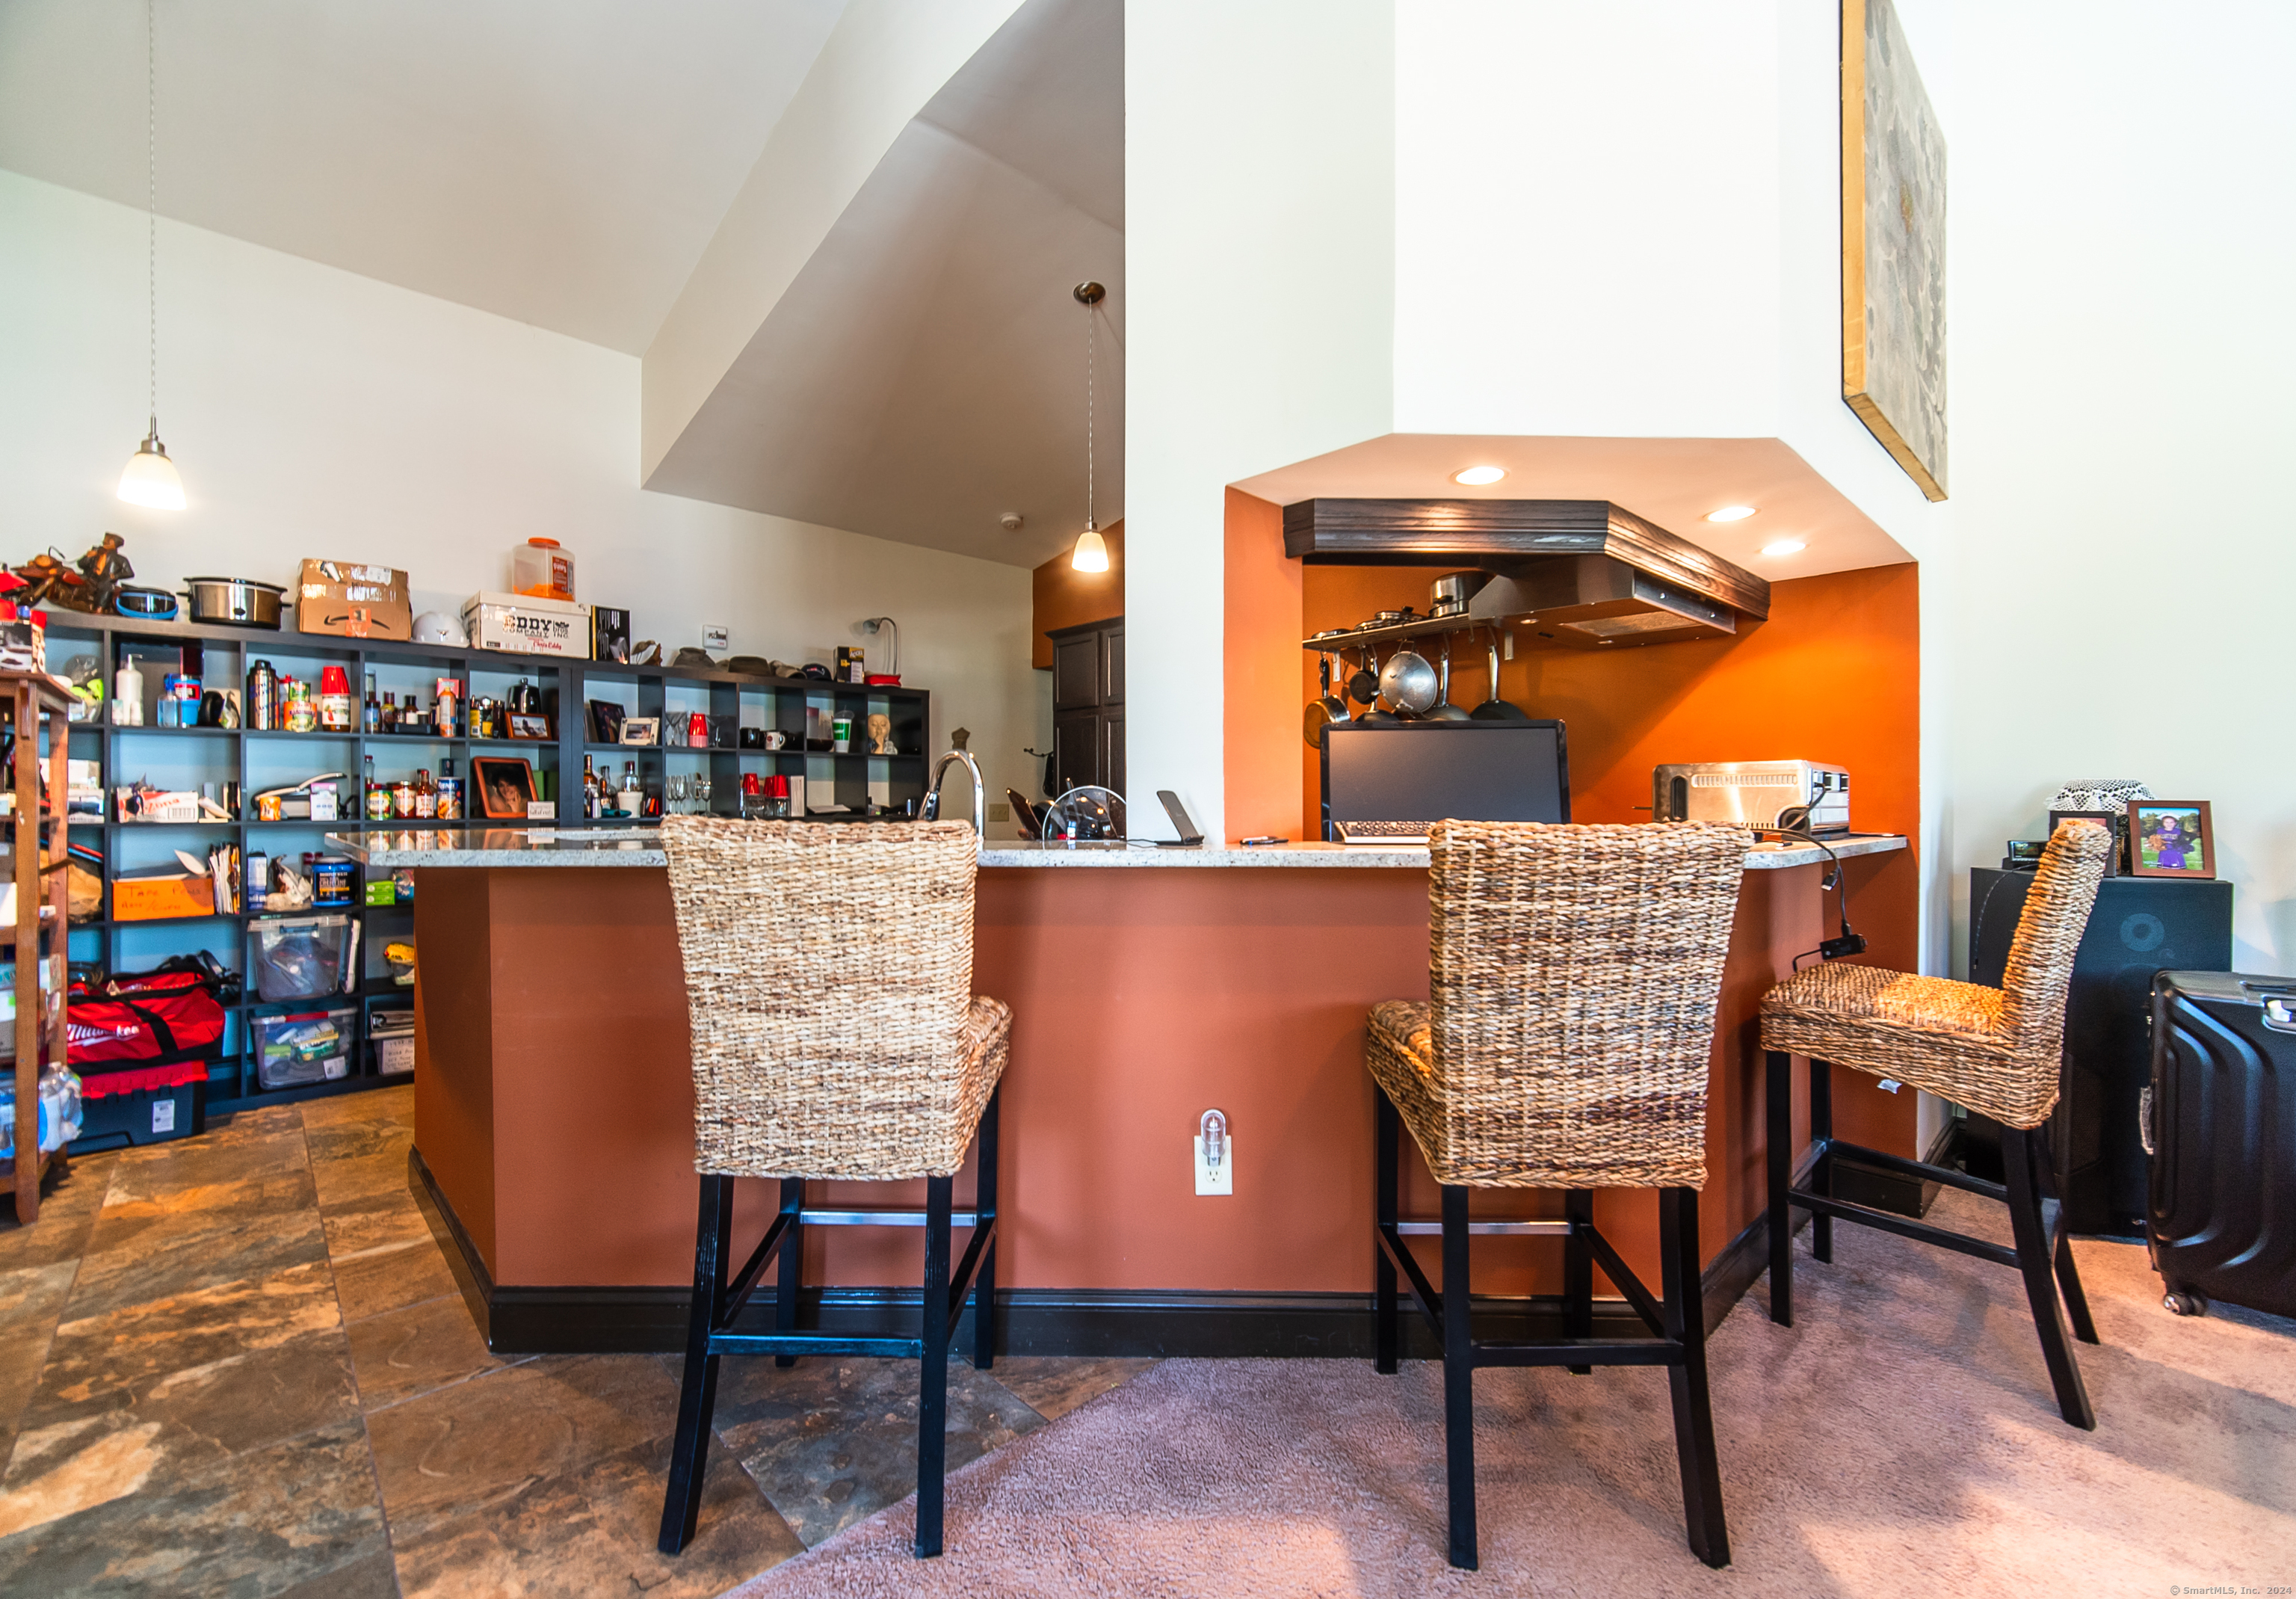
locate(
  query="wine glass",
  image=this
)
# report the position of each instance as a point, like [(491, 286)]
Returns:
[(701, 794), (674, 791)]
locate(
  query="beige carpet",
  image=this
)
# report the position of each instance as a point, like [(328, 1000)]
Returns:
[(1901, 1440)]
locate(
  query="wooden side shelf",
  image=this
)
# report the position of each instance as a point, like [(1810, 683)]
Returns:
[(34, 705)]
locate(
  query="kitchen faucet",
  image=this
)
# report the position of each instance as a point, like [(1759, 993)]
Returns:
[(980, 793)]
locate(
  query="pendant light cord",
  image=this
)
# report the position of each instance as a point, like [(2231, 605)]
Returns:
[(151, 205), (1090, 343)]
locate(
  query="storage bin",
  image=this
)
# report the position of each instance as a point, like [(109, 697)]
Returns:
[(309, 1046), (141, 1116), (391, 1038), (304, 957)]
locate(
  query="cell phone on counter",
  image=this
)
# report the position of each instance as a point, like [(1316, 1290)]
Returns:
[(1183, 823)]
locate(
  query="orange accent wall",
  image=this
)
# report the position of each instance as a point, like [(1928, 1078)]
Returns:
[(1060, 596), (1262, 598)]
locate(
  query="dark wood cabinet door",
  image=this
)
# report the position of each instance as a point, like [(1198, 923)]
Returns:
[(1076, 750), (1076, 672), (1112, 673), (1111, 749)]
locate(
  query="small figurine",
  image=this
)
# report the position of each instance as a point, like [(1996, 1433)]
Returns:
[(881, 734)]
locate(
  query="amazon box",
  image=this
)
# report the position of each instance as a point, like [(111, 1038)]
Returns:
[(353, 601)]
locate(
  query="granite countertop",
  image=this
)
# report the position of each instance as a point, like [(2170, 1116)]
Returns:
[(387, 849)]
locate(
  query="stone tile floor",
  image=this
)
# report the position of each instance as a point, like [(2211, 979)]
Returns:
[(238, 1364)]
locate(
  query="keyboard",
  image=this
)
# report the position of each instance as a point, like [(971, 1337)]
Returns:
[(1383, 832)]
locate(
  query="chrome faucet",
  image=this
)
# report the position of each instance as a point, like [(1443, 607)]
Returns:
[(980, 793)]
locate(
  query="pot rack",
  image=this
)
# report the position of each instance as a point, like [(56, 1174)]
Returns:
[(1382, 633)]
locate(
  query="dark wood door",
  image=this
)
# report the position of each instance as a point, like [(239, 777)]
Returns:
[(1077, 672), (1111, 663), (1111, 749), (1076, 749)]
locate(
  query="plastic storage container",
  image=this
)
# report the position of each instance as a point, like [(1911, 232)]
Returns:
[(304, 957), (309, 1046), (390, 1033), (538, 568)]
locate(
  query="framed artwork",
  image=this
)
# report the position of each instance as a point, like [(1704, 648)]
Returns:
[(505, 785), (2171, 838), (2115, 822), (1893, 323), (644, 731), (531, 727), (606, 722)]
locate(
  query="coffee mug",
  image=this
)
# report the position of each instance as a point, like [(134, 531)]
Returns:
[(776, 738)]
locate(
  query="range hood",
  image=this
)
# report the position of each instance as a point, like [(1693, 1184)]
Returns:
[(1566, 574)]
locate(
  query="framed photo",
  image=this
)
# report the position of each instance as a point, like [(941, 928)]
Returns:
[(606, 722), (643, 731), (2171, 838), (1893, 312), (505, 785), (2112, 820), (533, 727)]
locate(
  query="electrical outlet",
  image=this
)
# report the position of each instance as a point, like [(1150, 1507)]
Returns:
[(1000, 813), (715, 637), (1215, 1154)]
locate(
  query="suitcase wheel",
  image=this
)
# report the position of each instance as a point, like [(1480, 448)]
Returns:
[(2180, 1302)]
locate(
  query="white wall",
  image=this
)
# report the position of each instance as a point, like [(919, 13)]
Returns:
[(316, 413), (1259, 255), (2121, 249)]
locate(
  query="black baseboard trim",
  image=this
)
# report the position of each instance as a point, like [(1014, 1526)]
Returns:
[(1033, 1321)]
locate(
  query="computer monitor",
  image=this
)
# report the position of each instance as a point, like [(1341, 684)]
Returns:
[(1428, 771)]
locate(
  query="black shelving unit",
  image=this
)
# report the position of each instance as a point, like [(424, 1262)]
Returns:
[(189, 757)]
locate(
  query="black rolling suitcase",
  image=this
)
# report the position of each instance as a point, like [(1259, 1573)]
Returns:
[(2222, 1120)]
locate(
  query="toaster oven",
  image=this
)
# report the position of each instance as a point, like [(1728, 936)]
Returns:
[(1757, 793)]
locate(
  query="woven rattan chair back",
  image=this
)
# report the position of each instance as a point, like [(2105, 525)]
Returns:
[(2040, 969), (828, 977), (1575, 972)]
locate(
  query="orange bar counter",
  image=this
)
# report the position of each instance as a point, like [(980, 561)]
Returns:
[(553, 1099)]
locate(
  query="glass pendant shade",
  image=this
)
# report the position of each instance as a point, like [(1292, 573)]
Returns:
[(1091, 549), (151, 478)]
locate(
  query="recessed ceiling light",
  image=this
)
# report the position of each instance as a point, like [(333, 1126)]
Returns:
[(1730, 513), (1475, 476), (1785, 546)]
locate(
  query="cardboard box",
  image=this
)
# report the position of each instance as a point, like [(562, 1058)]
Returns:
[(353, 601), (523, 624), (146, 898)]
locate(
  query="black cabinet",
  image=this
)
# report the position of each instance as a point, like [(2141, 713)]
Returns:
[(1088, 705), (2141, 925)]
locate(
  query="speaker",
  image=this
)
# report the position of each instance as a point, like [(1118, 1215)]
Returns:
[(2141, 925)]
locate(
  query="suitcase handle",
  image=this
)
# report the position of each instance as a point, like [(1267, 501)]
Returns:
[(2144, 1118), (2280, 1012)]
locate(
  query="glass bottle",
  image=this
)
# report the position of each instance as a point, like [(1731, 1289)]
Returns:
[(633, 799), (450, 792), (378, 796), (426, 796), (402, 797), (371, 714), (589, 790)]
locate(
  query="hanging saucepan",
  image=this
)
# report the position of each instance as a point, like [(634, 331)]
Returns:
[(1445, 711), (1407, 684), (1326, 708), (1493, 709)]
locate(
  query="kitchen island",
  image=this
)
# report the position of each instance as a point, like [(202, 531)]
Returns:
[(553, 1099)]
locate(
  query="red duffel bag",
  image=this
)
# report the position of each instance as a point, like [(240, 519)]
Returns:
[(170, 1017)]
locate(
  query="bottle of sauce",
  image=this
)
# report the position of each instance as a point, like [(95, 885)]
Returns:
[(402, 797), (371, 715), (426, 796), (589, 790), (378, 797), (334, 700)]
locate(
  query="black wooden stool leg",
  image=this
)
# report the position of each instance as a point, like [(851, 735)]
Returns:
[(2069, 1281), (1578, 1271), (1386, 1210), (1821, 1135), (1458, 1379), (2033, 1259), (932, 1395), (984, 1204), (1778, 1072), (697, 1395), (1693, 1412), (790, 1276)]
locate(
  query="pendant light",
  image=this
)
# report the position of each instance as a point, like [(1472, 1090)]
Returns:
[(151, 478), (1091, 549)]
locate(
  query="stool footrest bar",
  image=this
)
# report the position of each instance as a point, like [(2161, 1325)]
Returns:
[(1582, 1351), (1558, 1228), (882, 1218), (1645, 1304), (814, 1344), (1859, 1155), (1885, 1221)]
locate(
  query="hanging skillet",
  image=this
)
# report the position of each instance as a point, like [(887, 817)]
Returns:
[(1324, 710), (1363, 687), (1445, 711), (1493, 709)]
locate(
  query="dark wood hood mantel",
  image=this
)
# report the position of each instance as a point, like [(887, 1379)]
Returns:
[(1506, 536)]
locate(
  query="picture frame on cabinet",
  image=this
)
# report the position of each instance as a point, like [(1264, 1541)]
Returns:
[(2113, 821), (533, 727), (641, 732), (2171, 838), (504, 785)]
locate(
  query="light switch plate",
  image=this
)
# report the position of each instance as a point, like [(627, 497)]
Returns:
[(1223, 1180)]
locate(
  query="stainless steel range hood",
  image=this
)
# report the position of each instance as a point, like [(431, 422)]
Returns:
[(1565, 574)]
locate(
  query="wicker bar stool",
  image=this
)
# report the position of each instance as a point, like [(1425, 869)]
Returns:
[(1576, 974), (1995, 1050), (835, 1035)]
